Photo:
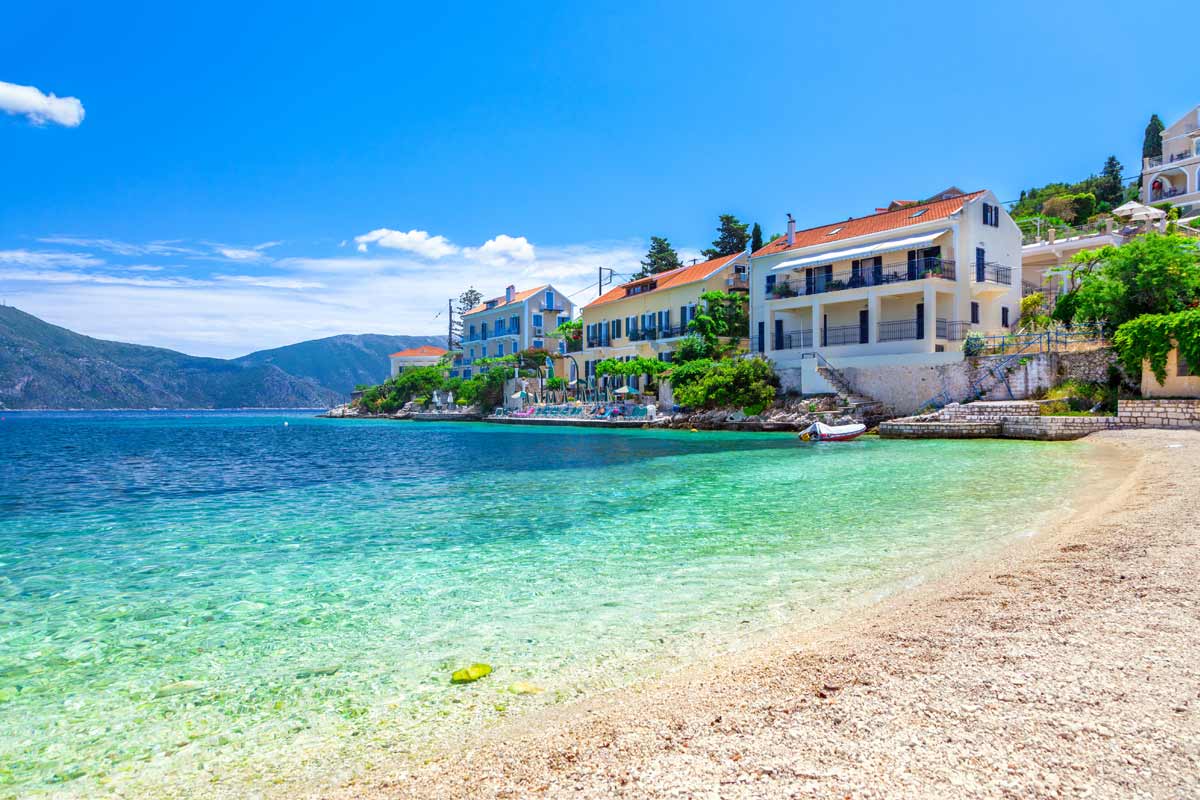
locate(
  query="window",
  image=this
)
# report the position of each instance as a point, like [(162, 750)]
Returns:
[(834, 231), (516, 325), (466, 374), (1182, 368), (770, 287), (472, 331), (1004, 316), (616, 329), (538, 344), (500, 349), (918, 213), (991, 215), (562, 346), (549, 298), (537, 320), (974, 313), (484, 352)]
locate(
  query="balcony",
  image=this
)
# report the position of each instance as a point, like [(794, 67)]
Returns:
[(993, 273), (651, 334), (815, 282), (889, 331), (1166, 194)]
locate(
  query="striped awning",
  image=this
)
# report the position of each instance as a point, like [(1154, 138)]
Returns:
[(863, 251)]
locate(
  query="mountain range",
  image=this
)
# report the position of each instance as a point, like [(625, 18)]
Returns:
[(45, 366)]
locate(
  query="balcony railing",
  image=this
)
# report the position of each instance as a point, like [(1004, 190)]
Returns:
[(953, 330), (1181, 156), (821, 282), (991, 272), (601, 341), (650, 334), (1163, 194), (795, 340), (898, 330)]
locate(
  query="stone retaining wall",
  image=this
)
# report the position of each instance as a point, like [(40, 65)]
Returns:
[(914, 429), (1159, 413), (989, 411), (1057, 428)]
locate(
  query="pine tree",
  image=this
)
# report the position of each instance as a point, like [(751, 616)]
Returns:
[(732, 237), (466, 301), (1109, 188), (756, 241), (661, 257)]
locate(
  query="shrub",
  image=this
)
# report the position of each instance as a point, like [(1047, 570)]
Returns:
[(973, 345), (1151, 337), (748, 383), (693, 347)]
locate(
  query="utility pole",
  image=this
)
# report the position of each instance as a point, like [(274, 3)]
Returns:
[(600, 284), (450, 329)]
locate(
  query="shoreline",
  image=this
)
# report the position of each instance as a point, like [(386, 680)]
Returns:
[(891, 700)]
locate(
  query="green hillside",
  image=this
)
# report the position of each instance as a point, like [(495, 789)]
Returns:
[(340, 362), (45, 366)]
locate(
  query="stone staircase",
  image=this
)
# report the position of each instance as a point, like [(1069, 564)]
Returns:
[(862, 407)]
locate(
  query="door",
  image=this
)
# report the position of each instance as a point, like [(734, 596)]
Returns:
[(863, 322), (778, 335), (920, 320), (912, 265), (761, 334), (980, 260)]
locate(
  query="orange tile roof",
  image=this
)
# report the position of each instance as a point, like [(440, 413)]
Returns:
[(874, 223), (423, 350), (666, 280), (501, 302)]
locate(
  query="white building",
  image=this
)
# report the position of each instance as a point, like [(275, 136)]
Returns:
[(423, 356), (1175, 175), (900, 286), (513, 322)]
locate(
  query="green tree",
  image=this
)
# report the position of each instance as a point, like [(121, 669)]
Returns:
[(1151, 274), (1152, 141), (1109, 188), (732, 237), (756, 240), (661, 257), (466, 301), (746, 383)]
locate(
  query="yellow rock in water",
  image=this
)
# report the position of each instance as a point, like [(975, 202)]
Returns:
[(525, 687), (471, 673)]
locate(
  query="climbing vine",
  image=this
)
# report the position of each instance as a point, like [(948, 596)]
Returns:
[(1150, 337)]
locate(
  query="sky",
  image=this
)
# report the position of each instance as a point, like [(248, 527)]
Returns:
[(224, 177)]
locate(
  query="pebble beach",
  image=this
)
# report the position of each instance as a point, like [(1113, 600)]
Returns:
[(1066, 666)]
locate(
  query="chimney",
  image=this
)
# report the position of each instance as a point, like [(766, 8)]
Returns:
[(509, 293), (791, 234)]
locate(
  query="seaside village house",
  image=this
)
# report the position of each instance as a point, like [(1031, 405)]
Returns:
[(513, 322), (647, 317), (1182, 379), (1175, 175), (901, 287), (423, 356)]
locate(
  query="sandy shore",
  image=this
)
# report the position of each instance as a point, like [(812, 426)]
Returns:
[(1067, 666)]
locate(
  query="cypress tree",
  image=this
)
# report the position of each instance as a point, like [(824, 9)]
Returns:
[(756, 241), (1152, 143)]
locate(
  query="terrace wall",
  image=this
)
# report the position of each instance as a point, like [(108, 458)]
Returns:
[(1159, 413)]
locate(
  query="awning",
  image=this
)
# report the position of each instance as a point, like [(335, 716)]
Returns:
[(863, 251)]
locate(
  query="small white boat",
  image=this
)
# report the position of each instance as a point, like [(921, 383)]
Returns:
[(820, 432)]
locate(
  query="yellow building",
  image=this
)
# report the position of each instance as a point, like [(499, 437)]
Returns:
[(1181, 379), (647, 317)]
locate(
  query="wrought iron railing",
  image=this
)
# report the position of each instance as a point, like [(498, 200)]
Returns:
[(835, 335), (1163, 194), (953, 330), (818, 282), (991, 272), (898, 330)]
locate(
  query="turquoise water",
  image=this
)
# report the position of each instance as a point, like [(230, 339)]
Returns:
[(223, 600)]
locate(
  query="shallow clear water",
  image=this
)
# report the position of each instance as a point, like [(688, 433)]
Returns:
[(221, 597)]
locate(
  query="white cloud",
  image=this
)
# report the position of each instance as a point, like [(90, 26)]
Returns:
[(44, 259), (270, 283), (123, 248), (502, 250), (350, 265), (419, 242), (255, 253), (38, 108)]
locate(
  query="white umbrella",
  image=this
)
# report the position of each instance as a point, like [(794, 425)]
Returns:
[(1136, 212), (519, 395), (623, 390)]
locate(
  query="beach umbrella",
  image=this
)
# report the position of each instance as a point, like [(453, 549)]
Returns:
[(1146, 213), (624, 390), (520, 395), (1127, 208)]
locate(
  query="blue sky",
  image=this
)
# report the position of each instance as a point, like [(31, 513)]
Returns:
[(538, 141)]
